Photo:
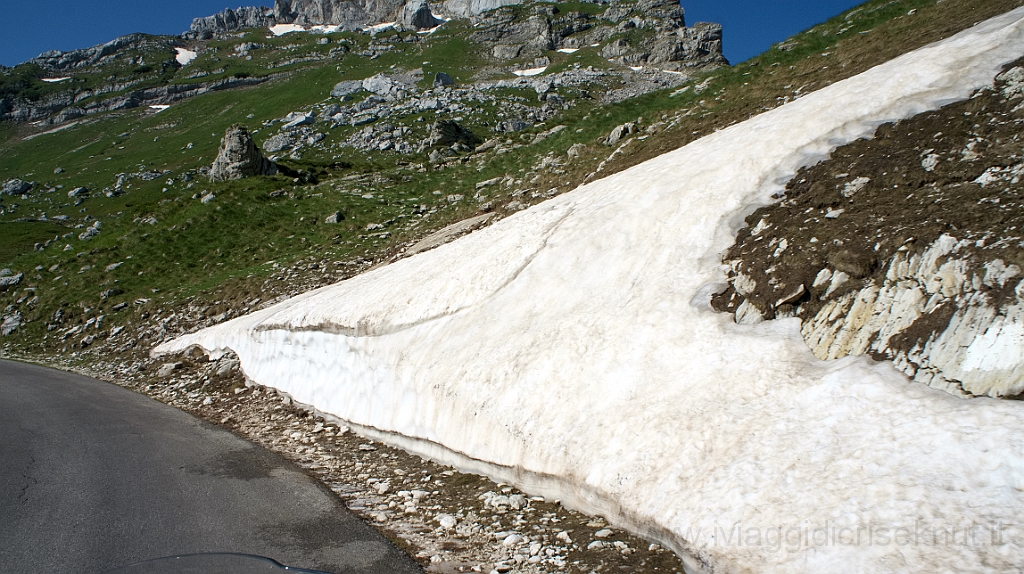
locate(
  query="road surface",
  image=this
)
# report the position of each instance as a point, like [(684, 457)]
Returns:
[(93, 477)]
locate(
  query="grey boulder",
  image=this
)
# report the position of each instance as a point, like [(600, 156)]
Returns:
[(10, 280), (448, 132), (347, 88), (443, 79), (278, 143), (16, 187), (416, 15)]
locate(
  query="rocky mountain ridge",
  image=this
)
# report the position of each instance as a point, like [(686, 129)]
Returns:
[(139, 70)]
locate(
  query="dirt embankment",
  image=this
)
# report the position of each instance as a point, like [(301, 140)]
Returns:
[(906, 247)]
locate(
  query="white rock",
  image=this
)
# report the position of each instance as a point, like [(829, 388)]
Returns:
[(852, 187), (447, 521)]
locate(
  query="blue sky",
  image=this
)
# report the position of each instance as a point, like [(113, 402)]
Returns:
[(30, 28)]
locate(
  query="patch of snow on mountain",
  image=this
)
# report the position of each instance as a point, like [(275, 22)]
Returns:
[(282, 29), (530, 71), (184, 56), (570, 349)]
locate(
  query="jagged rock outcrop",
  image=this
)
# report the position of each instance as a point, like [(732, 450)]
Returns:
[(229, 20), (657, 34), (905, 247), (239, 157), (62, 107), (942, 317), (468, 8), (349, 14), (632, 33), (57, 61), (512, 38), (700, 45)]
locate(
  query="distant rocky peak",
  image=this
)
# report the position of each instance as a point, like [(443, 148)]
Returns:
[(57, 61), (349, 14), (468, 8)]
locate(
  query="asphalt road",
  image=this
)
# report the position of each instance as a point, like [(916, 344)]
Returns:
[(93, 477)]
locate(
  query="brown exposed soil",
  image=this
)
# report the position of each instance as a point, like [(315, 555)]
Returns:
[(898, 192)]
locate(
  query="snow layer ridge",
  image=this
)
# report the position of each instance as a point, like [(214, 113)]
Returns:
[(381, 302)]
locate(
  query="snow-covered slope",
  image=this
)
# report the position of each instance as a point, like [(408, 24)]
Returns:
[(571, 349)]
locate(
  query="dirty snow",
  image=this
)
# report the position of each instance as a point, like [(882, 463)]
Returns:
[(379, 27), (184, 56), (530, 71), (570, 349), (282, 29)]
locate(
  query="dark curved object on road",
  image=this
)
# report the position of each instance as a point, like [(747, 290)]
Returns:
[(94, 477), (211, 564)]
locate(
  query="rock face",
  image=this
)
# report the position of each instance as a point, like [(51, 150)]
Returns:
[(658, 33), (416, 15), (349, 14), (905, 247), (649, 34), (467, 8), (66, 106), (239, 157), (229, 20), (940, 317), (57, 61)]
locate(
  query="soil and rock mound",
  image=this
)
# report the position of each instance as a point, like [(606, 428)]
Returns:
[(908, 247)]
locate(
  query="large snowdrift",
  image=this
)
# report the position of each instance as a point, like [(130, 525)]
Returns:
[(571, 349)]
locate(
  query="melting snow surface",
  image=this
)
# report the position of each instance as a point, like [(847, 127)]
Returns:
[(568, 50), (184, 56), (159, 107), (570, 349), (380, 27), (56, 80), (282, 29), (530, 71)]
